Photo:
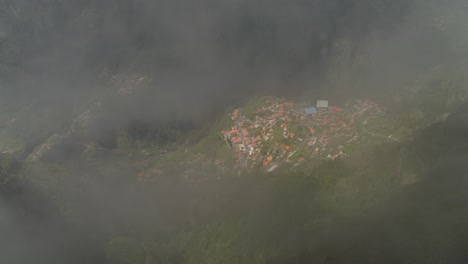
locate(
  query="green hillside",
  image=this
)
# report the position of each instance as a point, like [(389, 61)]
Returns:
[(212, 211)]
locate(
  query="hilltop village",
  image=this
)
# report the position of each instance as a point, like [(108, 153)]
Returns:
[(282, 132)]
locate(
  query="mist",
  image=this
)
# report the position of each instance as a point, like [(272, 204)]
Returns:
[(99, 74)]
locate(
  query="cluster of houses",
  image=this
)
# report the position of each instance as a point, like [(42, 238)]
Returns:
[(279, 133), (339, 127), (6, 150), (249, 137), (285, 132)]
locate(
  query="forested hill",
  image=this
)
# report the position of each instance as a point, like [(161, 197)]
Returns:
[(221, 51), (119, 119)]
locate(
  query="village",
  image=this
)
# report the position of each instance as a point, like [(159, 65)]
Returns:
[(282, 132)]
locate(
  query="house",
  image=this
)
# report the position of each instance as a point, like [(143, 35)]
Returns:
[(312, 141), (322, 104), (268, 160), (235, 115), (236, 140), (335, 108), (281, 111), (310, 110)]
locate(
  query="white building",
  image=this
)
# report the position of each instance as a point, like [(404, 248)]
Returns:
[(272, 168), (322, 104)]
